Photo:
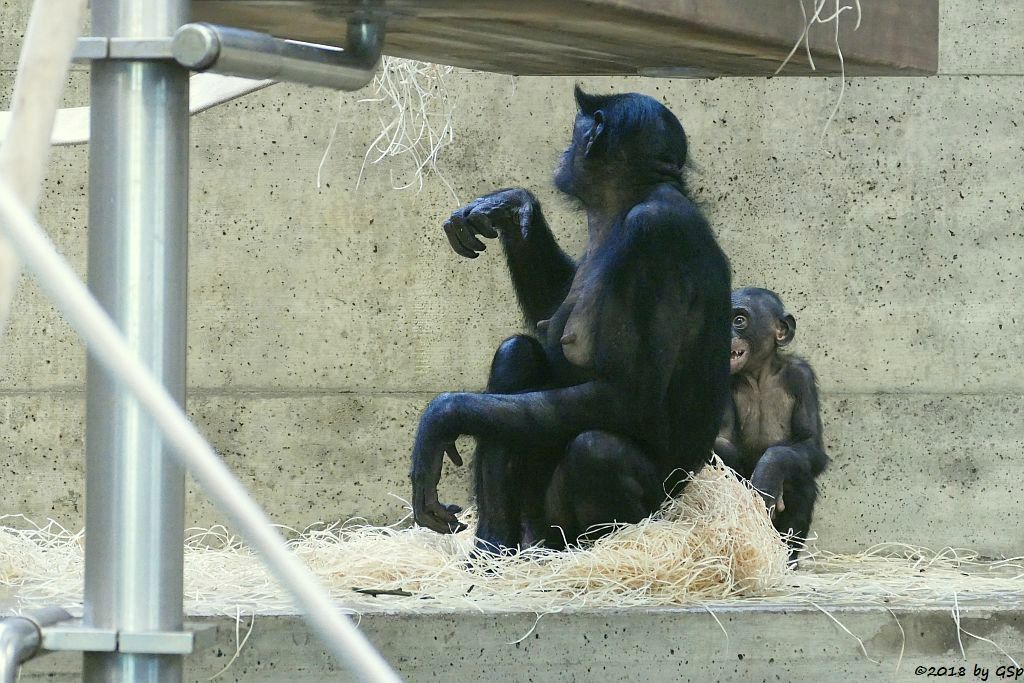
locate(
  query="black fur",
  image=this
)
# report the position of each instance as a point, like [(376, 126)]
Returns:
[(772, 431), (624, 380)]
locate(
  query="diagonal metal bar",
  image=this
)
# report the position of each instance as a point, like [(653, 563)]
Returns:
[(108, 348)]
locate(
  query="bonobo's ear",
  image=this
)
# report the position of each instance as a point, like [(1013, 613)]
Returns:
[(786, 330), (595, 136), (587, 103)]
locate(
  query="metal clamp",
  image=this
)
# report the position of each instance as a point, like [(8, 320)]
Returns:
[(250, 54), (73, 636), (95, 47)]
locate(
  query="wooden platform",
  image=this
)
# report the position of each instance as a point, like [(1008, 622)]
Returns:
[(684, 38)]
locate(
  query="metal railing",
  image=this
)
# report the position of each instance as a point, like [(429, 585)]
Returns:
[(139, 442)]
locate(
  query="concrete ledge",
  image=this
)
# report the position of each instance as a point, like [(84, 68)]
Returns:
[(787, 643)]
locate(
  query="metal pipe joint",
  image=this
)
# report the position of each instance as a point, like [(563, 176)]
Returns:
[(250, 54), (21, 638)]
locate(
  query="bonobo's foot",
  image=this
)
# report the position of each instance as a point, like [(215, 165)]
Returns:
[(484, 552), (496, 544), (485, 547)]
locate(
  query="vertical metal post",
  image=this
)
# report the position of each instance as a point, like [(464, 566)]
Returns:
[(138, 219)]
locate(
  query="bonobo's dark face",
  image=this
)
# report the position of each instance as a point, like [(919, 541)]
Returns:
[(621, 144), (760, 326)]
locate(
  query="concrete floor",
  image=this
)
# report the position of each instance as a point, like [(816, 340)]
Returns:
[(791, 643)]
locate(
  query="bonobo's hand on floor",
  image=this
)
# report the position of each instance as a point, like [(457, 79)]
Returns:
[(427, 458)]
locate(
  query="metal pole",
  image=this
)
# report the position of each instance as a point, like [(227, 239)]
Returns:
[(21, 638), (138, 220)]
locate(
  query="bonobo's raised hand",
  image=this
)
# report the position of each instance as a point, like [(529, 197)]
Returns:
[(503, 211), (433, 440)]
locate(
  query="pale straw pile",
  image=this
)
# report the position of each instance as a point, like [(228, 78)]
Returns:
[(713, 545), (715, 541)]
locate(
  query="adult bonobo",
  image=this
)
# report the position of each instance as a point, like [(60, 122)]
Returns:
[(626, 375), (771, 433)]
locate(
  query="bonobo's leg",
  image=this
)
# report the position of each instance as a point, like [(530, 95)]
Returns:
[(784, 477), (802, 491), (519, 365), (603, 478), (501, 469)]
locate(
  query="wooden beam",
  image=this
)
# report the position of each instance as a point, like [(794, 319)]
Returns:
[(686, 38)]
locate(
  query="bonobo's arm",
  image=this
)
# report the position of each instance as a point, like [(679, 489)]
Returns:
[(527, 418), (642, 319), (541, 272), (806, 435), (803, 454)]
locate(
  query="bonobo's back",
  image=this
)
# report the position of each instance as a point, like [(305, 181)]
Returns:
[(703, 369), (682, 304), (698, 385)]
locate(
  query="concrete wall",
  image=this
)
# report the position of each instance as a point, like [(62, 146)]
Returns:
[(322, 320)]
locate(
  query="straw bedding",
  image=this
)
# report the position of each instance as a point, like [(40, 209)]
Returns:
[(712, 544)]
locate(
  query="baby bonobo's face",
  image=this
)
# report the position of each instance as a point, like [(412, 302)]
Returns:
[(740, 347), (756, 329)]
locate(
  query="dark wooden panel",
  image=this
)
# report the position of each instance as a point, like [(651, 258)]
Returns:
[(592, 37)]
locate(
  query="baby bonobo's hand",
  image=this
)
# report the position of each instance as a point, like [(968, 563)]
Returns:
[(768, 482), (503, 211)]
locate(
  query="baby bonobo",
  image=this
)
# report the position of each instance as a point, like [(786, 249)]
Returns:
[(771, 432)]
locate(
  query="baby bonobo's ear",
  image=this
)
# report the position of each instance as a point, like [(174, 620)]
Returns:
[(785, 330)]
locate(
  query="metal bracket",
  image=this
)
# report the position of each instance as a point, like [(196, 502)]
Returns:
[(250, 54), (95, 47), (72, 636)]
